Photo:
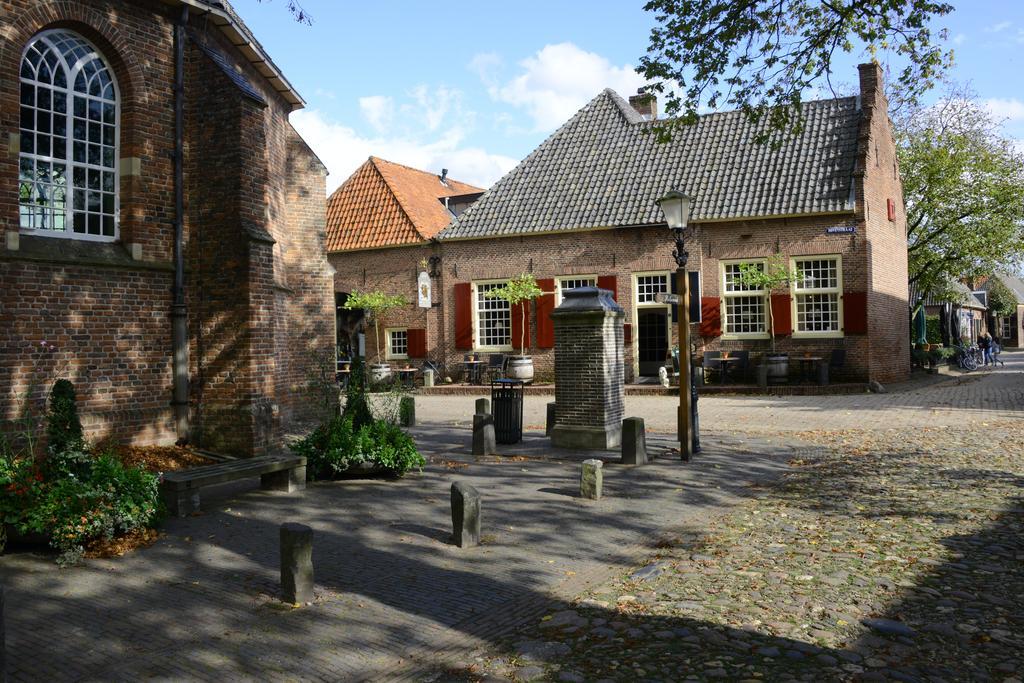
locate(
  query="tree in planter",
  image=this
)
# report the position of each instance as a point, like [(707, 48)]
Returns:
[(516, 291), (377, 304), (769, 277)]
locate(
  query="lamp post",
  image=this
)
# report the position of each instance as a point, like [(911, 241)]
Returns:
[(676, 208)]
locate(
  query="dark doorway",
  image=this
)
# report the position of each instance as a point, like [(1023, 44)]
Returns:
[(652, 340)]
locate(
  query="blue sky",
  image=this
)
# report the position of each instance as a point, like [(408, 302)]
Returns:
[(474, 87)]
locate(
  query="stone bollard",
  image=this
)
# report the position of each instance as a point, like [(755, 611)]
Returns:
[(591, 479), (465, 515), (296, 563), (428, 378), (551, 419), (484, 442), (407, 411), (634, 441), (483, 406)]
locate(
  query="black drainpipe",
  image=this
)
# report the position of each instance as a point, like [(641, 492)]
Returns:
[(179, 312)]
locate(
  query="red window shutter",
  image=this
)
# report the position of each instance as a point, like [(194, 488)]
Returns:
[(855, 312), (710, 316), (545, 304), (627, 334), (417, 340), (782, 317), (890, 207), (609, 282), (521, 325), (463, 316)]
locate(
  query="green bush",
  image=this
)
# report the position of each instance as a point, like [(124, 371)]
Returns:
[(63, 428), (933, 331), (337, 445)]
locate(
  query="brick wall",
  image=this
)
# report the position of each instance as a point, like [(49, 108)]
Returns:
[(258, 283)]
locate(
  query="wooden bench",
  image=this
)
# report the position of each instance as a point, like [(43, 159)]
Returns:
[(277, 473)]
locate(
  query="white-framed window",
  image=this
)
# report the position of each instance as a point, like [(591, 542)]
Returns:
[(572, 282), (398, 343), (744, 307), (67, 180), (817, 296), (492, 318), (1005, 328), (649, 285)]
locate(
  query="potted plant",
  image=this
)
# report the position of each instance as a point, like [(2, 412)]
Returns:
[(377, 304), (519, 290), (771, 276)]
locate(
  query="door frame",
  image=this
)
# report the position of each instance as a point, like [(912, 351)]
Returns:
[(636, 305)]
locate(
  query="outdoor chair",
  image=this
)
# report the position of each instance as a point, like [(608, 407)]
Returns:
[(712, 364), (496, 366), (836, 362)]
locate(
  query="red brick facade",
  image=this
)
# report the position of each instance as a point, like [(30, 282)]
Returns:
[(257, 281), (871, 247)]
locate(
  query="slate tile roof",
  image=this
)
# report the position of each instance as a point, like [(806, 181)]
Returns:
[(387, 204), (604, 168), (962, 296)]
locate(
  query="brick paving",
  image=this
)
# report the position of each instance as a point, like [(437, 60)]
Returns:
[(392, 594)]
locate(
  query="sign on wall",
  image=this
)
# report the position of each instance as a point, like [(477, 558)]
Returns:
[(423, 290)]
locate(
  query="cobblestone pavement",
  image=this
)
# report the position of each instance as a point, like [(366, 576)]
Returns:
[(935, 547), (200, 604)]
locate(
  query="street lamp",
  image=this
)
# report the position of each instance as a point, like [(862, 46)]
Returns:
[(676, 208)]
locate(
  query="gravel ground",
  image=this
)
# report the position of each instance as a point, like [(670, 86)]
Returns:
[(889, 555)]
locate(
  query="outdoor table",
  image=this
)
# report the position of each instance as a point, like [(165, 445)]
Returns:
[(726, 362), (407, 376), (807, 366), (473, 370)]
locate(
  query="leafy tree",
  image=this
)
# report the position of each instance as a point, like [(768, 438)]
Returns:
[(1001, 301), (516, 291), (963, 182), (761, 55), (377, 304), (767, 276)]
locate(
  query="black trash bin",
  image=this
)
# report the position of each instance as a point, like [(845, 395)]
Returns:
[(507, 409)]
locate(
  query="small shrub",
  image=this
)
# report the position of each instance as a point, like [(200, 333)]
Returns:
[(63, 428), (338, 445), (357, 408)]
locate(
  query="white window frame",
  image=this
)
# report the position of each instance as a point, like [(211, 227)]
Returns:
[(1005, 327), (837, 290), (389, 354), (637, 305), (726, 295), (477, 346), (71, 72), (564, 278)]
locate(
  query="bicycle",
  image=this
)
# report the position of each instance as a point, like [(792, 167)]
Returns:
[(967, 358)]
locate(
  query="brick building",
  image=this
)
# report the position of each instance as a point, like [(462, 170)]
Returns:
[(92, 260), (1009, 329), (582, 209)]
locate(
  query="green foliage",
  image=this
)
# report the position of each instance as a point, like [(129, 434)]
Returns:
[(941, 353), (1001, 301), (337, 445), (377, 304), (933, 329), (964, 187), (767, 276), (63, 428), (759, 56), (76, 497), (357, 408), (516, 291)]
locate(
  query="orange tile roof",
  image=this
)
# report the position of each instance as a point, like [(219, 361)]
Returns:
[(385, 204)]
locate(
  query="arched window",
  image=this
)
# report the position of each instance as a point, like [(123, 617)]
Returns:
[(68, 185)]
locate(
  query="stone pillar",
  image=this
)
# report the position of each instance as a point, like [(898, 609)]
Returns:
[(465, 515), (634, 441), (591, 479), (589, 372), (484, 441), (296, 563), (483, 406)]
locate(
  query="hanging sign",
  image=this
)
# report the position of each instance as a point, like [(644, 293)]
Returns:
[(423, 290)]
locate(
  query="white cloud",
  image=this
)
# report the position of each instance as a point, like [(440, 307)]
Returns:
[(555, 82), (959, 39), (1008, 109), (343, 149), (378, 110), (1001, 26)]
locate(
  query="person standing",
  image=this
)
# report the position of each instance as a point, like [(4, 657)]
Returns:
[(985, 344)]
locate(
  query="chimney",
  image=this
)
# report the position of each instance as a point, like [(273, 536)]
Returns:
[(872, 91), (444, 177), (645, 104)]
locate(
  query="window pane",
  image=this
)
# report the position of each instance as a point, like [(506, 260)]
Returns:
[(649, 286), (817, 312), (399, 343), (494, 318), (733, 273), (745, 315), (28, 95)]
